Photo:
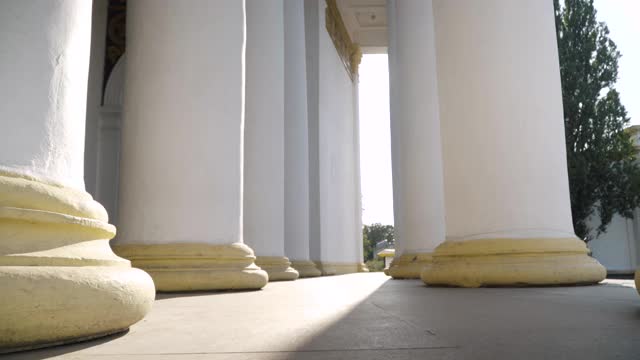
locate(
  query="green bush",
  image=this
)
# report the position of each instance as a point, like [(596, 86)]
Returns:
[(375, 265)]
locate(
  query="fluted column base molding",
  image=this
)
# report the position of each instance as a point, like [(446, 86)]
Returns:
[(513, 262), (278, 267), (306, 268), (197, 267), (59, 280), (336, 268), (409, 265)]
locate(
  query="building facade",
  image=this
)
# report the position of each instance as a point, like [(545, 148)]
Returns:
[(222, 139)]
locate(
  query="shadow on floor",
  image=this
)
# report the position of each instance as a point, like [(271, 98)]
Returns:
[(404, 319), (172, 295), (49, 352)]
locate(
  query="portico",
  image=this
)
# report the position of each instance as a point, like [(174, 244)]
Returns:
[(224, 140)]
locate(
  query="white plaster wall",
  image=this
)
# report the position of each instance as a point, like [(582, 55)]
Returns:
[(104, 118), (44, 64), (296, 172), (94, 96), (616, 249), (337, 156), (181, 168), (505, 166), (264, 128)]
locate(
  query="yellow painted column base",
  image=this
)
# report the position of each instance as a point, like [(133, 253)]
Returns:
[(51, 305), (59, 280), (409, 265), (306, 268), (196, 267), (362, 267), (278, 267), (336, 268), (513, 262)]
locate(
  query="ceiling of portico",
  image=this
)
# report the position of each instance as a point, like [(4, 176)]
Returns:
[(366, 22)]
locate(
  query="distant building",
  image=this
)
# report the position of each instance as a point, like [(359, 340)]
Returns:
[(618, 249), (388, 255)]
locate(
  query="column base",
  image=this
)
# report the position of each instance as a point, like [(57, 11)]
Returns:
[(362, 267), (53, 305), (278, 267), (336, 268), (306, 268), (59, 280), (197, 267), (513, 262), (409, 265)]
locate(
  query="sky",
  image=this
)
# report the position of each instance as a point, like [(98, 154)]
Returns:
[(622, 18), (375, 140)]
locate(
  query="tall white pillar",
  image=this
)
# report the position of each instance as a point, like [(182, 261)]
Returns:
[(59, 280), (357, 237), (264, 138), (395, 142), (415, 137), (506, 188), (296, 146), (180, 207), (312, 54)]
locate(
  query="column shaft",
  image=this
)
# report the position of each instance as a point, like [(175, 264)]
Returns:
[(180, 206), (357, 237), (296, 147), (415, 137), (59, 280), (506, 187), (264, 160)]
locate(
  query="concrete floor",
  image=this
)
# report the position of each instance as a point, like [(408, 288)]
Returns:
[(369, 316)]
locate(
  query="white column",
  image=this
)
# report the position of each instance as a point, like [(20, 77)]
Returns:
[(395, 142), (311, 33), (506, 188), (264, 138), (180, 207), (357, 237), (415, 136), (296, 137), (59, 280)]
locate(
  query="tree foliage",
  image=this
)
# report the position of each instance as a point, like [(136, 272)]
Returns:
[(603, 175), (373, 234)]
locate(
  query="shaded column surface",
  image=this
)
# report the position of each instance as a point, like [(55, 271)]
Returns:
[(506, 187), (180, 196), (415, 137), (296, 142), (264, 198), (59, 280)]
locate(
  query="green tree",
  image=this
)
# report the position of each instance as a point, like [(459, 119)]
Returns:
[(603, 175), (367, 247), (373, 234)]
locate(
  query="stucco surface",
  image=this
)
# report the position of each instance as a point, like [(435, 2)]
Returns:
[(369, 316)]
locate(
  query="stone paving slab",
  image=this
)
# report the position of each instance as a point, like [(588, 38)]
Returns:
[(369, 316)]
